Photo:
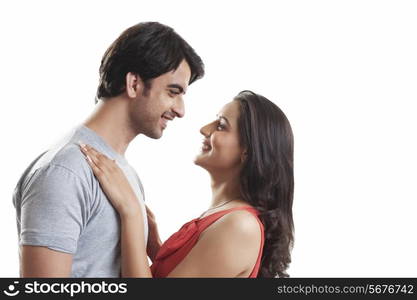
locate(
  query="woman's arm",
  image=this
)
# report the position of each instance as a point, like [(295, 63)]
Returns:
[(117, 188), (134, 259)]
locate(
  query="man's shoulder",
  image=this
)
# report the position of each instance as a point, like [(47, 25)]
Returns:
[(56, 171), (67, 158), (71, 159)]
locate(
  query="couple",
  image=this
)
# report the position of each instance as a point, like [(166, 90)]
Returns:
[(80, 205)]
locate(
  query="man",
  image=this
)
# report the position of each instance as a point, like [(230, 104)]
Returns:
[(66, 225)]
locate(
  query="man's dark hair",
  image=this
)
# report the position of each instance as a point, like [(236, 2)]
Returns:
[(148, 49)]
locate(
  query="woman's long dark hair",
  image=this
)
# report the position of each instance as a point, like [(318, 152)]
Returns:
[(267, 177)]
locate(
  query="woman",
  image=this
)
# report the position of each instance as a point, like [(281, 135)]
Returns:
[(248, 231)]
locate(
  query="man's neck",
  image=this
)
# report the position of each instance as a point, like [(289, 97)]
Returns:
[(110, 122)]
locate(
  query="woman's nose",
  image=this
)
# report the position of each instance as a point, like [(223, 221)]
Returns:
[(205, 130)]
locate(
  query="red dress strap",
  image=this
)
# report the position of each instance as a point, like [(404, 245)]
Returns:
[(177, 247)]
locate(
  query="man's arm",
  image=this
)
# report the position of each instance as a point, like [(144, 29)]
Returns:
[(54, 212), (38, 261)]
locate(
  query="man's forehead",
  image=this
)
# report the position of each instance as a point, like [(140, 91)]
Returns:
[(178, 81), (168, 80), (182, 74)]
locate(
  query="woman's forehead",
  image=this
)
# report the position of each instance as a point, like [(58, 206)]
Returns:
[(230, 109)]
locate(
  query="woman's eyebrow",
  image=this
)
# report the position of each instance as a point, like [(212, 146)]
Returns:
[(224, 118)]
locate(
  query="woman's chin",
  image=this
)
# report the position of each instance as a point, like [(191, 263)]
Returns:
[(197, 160), (200, 161)]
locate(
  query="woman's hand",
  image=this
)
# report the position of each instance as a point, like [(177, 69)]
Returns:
[(154, 241), (113, 182), (134, 262)]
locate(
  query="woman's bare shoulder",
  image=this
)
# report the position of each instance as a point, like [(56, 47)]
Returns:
[(239, 222)]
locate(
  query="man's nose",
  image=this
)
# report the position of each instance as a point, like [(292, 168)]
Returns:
[(179, 108)]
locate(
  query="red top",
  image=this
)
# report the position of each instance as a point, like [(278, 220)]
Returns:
[(176, 248)]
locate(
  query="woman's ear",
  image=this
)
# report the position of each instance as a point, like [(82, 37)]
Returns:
[(133, 85), (243, 156)]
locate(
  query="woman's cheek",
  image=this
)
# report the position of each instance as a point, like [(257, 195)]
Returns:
[(226, 151)]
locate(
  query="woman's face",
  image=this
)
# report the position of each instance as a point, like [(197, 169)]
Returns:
[(221, 149)]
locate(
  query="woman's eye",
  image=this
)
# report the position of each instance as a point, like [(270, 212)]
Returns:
[(220, 127)]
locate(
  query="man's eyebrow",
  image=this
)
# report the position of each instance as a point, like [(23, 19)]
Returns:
[(177, 86), (224, 118)]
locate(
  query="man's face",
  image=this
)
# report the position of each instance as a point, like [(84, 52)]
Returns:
[(150, 112)]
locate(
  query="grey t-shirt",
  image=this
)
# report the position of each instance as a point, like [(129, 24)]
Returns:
[(60, 205)]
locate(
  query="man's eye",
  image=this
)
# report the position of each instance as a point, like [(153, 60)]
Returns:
[(174, 92)]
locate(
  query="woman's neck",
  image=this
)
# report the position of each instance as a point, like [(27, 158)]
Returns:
[(225, 189)]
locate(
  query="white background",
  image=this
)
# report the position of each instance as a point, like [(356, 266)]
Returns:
[(344, 72)]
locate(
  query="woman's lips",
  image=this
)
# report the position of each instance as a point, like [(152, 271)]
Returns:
[(206, 146)]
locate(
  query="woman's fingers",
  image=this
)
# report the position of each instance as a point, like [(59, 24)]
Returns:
[(100, 156), (113, 181), (101, 160), (149, 213), (93, 160), (102, 166), (96, 170)]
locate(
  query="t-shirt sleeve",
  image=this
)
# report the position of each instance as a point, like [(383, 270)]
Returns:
[(54, 209)]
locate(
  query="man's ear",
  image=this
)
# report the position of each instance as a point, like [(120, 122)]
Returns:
[(133, 85)]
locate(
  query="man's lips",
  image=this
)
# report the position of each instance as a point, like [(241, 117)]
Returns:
[(165, 118), (168, 117)]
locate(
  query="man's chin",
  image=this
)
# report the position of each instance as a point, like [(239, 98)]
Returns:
[(154, 135)]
